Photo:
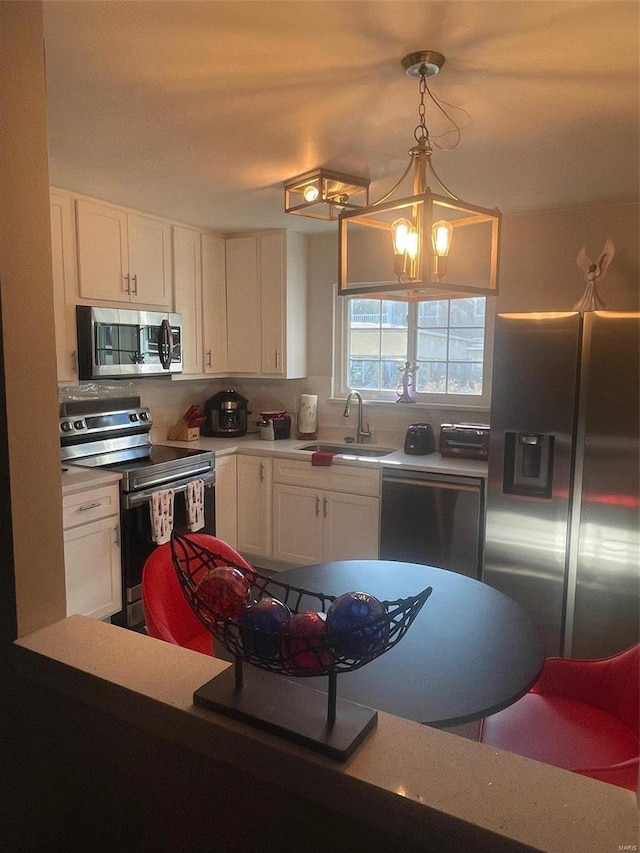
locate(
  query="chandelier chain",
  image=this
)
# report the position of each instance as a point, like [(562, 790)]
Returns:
[(421, 133)]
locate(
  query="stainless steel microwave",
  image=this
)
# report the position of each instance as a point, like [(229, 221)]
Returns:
[(116, 343)]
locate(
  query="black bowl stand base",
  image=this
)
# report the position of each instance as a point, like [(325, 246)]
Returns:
[(327, 724)]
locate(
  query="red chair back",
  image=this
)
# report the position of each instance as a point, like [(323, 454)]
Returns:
[(167, 613), (581, 715), (611, 684)]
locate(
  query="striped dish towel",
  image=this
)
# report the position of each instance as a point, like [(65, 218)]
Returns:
[(195, 505), (161, 507)]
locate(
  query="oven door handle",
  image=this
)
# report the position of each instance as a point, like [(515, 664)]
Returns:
[(134, 499)]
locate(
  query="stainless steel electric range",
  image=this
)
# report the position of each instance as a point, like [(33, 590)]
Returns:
[(116, 434)]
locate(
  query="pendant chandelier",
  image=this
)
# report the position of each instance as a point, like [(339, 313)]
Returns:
[(425, 245)]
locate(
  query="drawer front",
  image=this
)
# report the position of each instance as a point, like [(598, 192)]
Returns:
[(84, 507), (353, 479)]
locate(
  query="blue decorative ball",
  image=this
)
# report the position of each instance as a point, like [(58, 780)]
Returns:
[(354, 626), (263, 625)]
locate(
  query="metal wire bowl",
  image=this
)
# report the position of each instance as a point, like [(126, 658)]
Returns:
[(327, 653)]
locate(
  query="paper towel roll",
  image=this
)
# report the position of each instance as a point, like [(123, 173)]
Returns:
[(308, 414)]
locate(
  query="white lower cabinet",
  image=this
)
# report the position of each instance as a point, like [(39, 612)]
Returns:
[(226, 500), (351, 527), (92, 552), (313, 522), (297, 524), (311, 526), (254, 479)]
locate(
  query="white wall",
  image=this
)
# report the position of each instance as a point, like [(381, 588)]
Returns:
[(26, 290)]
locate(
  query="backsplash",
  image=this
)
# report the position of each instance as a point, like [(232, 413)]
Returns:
[(168, 400)]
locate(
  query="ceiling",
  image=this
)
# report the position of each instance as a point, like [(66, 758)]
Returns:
[(199, 111)]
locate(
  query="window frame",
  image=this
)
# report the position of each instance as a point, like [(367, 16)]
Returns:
[(340, 389)]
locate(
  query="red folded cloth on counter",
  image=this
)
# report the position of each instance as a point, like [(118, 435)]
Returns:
[(322, 457)]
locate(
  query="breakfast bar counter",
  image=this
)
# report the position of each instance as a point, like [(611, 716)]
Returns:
[(411, 786)]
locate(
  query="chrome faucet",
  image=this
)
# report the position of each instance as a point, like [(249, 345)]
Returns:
[(361, 434)]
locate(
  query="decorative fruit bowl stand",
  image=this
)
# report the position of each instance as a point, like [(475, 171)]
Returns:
[(259, 620)]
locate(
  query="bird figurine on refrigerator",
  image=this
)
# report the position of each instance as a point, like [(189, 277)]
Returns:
[(593, 272)]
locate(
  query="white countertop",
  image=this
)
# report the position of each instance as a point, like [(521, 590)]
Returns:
[(433, 463), (75, 478)]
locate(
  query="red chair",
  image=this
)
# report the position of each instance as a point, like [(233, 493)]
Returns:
[(582, 715), (168, 615)]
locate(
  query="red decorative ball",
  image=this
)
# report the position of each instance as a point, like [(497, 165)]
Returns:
[(304, 648), (225, 590)]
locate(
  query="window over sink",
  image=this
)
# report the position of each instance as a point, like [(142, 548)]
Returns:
[(447, 343)]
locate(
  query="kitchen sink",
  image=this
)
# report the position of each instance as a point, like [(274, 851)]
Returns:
[(348, 449)]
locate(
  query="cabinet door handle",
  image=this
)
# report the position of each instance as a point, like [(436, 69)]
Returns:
[(117, 536), (208, 358), (277, 359), (127, 284), (134, 279), (262, 472), (86, 507), (325, 504), (317, 505)]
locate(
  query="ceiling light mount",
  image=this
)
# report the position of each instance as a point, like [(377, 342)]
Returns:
[(422, 63), (323, 194)]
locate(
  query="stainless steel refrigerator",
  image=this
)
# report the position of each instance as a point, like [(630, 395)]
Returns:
[(562, 521)]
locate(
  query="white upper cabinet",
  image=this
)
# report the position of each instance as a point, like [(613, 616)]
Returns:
[(214, 305), (122, 256), (65, 283), (283, 296), (200, 297), (187, 289), (243, 304), (267, 304)]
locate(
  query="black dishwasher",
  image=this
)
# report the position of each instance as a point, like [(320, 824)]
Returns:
[(433, 519)]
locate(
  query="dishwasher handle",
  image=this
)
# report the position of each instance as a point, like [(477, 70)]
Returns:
[(458, 486)]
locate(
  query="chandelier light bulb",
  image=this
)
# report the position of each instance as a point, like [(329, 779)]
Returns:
[(311, 193), (413, 243), (400, 233), (441, 235)]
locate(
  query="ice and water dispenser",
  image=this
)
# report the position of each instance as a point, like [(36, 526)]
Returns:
[(528, 464)]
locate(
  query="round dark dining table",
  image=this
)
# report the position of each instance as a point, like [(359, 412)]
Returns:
[(470, 652)]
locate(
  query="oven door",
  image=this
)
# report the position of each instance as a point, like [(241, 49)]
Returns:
[(137, 543)]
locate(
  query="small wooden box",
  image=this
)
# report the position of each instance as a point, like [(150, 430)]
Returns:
[(181, 432)]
